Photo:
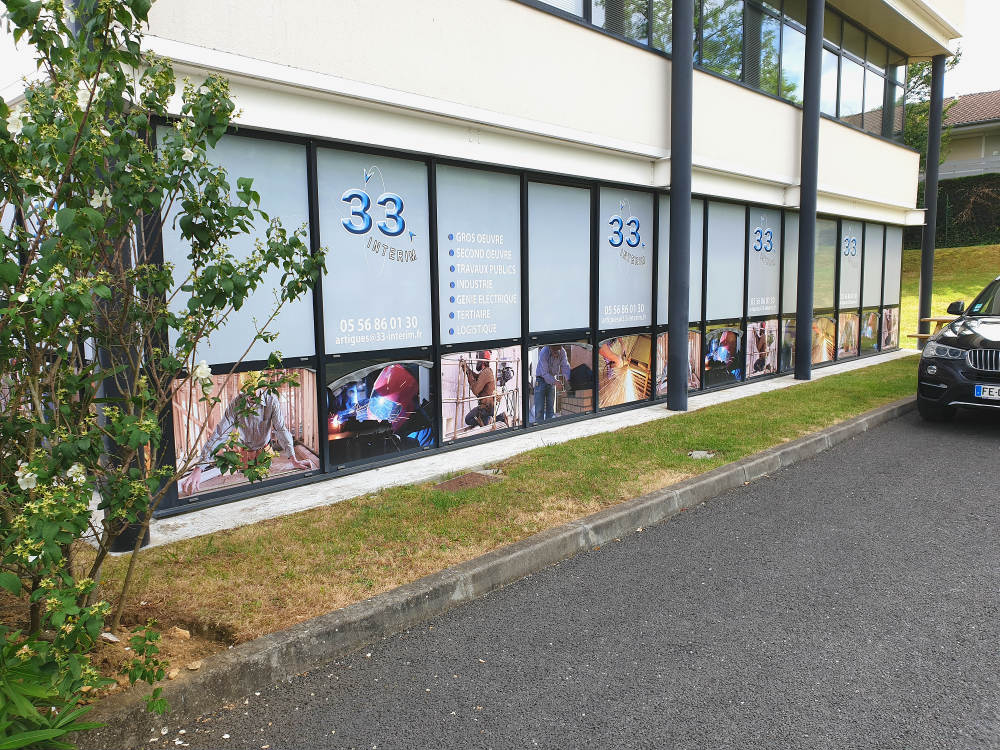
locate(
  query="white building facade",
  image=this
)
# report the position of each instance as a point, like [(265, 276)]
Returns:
[(491, 180)]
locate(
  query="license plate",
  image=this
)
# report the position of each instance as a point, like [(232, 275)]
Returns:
[(991, 392)]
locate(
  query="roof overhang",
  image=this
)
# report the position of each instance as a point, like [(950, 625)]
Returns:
[(917, 28)]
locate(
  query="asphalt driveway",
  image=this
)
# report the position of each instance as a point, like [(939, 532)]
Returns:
[(849, 601)]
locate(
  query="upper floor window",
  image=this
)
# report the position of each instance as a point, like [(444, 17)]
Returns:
[(762, 44)]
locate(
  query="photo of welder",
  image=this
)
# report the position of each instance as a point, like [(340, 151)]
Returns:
[(624, 373), (824, 339), (762, 348), (283, 423), (847, 345), (379, 410), (480, 391), (561, 377), (787, 344), (693, 362), (869, 331), (890, 328), (724, 356)]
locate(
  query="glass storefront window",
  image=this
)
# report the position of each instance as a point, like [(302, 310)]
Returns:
[(560, 381), (558, 257), (724, 271), (825, 268)]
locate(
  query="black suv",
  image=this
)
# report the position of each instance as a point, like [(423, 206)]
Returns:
[(960, 365)]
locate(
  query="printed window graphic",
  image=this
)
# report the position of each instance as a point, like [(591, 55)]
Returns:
[(847, 346), (869, 330), (480, 392), (283, 424), (374, 215), (890, 328), (562, 381), (787, 344), (693, 362), (624, 372), (824, 339), (378, 409), (625, 259), (762, 348), (724, 357)]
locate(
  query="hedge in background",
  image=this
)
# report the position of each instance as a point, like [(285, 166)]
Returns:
[(968, 213)]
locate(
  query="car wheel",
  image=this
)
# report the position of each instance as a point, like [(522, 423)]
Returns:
[(934, 412)]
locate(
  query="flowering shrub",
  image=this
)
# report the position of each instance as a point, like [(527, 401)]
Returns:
[(90, 350)]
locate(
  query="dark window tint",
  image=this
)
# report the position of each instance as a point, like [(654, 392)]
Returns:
[(760, 64), (796, 10), (854, 40), (877, 54), (831, 27), (988, 301)]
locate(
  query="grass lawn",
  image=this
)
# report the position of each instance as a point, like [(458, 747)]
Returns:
[(959, 273), (243, 583)]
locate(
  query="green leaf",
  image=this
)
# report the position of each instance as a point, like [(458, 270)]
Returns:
[(9, 272), (65, 218), (30, 738), (10, 582)]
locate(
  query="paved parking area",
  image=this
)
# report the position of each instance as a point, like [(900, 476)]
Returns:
[(850, 601)]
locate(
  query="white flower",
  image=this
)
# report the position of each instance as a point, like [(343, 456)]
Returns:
[(77, 474), (202, 373), (101, 199), (32, 558), (26, 480), (14, 122), (22, 298), (82, 98), (187, 155), (39, 180)]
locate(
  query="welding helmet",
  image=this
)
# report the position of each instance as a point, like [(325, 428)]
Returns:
[(393, 395)]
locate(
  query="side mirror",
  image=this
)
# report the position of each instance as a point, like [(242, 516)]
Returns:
[(956, 308)]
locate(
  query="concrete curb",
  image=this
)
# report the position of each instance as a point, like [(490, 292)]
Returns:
[(241, 670)]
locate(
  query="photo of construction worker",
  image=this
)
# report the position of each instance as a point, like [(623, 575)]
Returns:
[(283, 423), (890, 328), (824, 339), (847, 344), (693, 363), (787, 344), (624, 372), (480, 391), (762, 348), (562, 381), (869, 331), (724, 357), (378, 410)]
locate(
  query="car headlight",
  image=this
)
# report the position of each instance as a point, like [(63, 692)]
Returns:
[(934, 349)]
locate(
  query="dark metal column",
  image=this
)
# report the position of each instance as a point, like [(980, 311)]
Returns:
[(807, 189), (931, 193), (681, 84)]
